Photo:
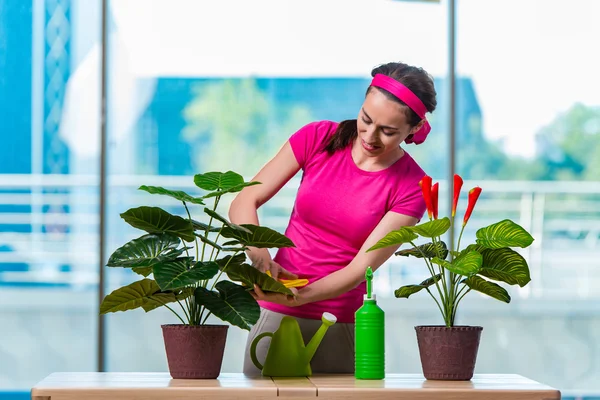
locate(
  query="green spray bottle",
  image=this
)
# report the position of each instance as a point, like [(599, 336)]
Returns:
[(370, 336)]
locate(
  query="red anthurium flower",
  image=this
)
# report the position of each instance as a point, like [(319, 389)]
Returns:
[(434, 199), (458, 182), (473, 196), (426, 188)]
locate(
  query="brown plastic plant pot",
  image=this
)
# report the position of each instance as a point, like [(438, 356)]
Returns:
[(195, 352), (448, 353)]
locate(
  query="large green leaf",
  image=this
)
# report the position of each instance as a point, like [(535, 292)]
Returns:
[(505, 265), (233, 189), (232, 304), (143, 271), (407, 290), (218, 180), (433, 228), (201, 226), (249, 276), (505, 233), (486, 287), (466, 264), (222, 219), (395, 238), (468, 249), (428, 249), (183, 272), (146, 251), (234, 249), (157, 220), (176, 194), (258, 236), (162, 298), (129, 297), (238, 259), (471, 247)]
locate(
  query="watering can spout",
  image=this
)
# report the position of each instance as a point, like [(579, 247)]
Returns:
[(328, 320)]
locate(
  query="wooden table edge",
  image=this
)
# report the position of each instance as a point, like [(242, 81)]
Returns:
[(81, 392), (540, 394), (306, 389)]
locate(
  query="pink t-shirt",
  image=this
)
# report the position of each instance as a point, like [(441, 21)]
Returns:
[(337, 206)]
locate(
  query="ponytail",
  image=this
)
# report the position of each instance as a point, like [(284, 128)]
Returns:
[(343, 136)]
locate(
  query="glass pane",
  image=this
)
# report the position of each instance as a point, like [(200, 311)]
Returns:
[(530, 137), (49, 62), (189, 95)]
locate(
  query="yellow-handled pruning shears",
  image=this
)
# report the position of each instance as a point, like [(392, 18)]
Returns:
[(289, 283)]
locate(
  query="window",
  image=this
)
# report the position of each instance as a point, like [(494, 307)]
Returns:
[(48, 188), (189, 97), (194, 88)]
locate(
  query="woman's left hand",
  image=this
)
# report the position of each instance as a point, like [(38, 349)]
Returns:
[(277, 298)]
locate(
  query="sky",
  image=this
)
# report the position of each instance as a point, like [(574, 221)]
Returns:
[(529, 59)]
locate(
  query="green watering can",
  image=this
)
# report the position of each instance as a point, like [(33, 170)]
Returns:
[(287, 355)]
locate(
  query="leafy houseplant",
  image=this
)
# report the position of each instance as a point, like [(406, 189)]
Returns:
[(449, 351), (182, 263)]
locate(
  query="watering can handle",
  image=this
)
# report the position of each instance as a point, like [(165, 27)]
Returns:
[(253, 348)]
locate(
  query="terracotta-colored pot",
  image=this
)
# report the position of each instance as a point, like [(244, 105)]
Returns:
[(448, 353), (195, 352)]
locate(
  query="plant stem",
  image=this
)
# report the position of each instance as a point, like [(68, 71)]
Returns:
[(432, 272), (457, 302), (204, 282), (190, 218), (223, 270), (448, 284), (438, 304), (209, 224), (455, 278), (444, 282), (196, 311), (461, 289), (452, 277), (442, 274), (191, 310), (205, 318), (173, 311), (202, 309), (213, 249), (187, 316), (463, 295), (456, 296), (460, 237)]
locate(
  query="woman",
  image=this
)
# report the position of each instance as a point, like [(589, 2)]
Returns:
[(358, 184)]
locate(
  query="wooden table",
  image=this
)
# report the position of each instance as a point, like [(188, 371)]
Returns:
[(155, 386)]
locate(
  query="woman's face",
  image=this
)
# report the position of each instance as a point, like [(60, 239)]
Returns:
[(382, 125)]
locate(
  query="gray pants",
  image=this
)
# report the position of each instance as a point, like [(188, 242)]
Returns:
[(335, 354)]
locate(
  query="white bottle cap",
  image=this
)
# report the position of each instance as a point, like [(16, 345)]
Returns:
[(373, 297), (329, 317)]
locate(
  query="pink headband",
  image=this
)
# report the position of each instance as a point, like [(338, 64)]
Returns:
[(410, 99)]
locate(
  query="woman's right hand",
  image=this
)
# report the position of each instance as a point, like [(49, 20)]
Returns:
[(262, 261)]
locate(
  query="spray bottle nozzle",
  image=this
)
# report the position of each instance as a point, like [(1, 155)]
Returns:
[(369, 279)]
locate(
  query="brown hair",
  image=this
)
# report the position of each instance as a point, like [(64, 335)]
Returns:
[(414, 78)]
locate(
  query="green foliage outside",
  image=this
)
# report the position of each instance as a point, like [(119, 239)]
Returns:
[(236, 117)]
